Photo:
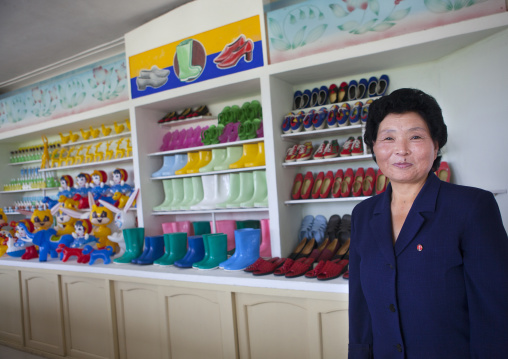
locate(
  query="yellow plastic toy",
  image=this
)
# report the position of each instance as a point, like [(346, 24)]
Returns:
[(118, 128), (119, 152), (128, 124), (65, 139), (78, 157), (260, 157), (105, 130), (129, 147), (69, 159), (74, 136), (95, 132), (88, 155), (45, 153), (108, 154), (192, 160), (122, 199), (61, 157), (54, 157), (250, 151), (85, 134), (204, 158), (42, 219), (98, 155)]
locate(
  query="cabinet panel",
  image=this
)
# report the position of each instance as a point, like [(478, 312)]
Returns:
[(281, 327), (42, 308), (199, 323), (138, 318), (87, 305), (11, 325)]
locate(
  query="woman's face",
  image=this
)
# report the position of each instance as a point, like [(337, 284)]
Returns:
[(404, 148)]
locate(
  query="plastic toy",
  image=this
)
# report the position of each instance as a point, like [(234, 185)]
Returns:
[(105, 130), (123, 220), (95, 132), (104, 254), (118, 184), (108, 154), (66, 252), (118, 128), (128, 124), (98, 185), (119, 152), (54, 157), (80, 235), (3, 218), (45, 153), (78, 157), (128, 147), (69, 158), (23, 247), (42, 238), (64, 139), (73, 136), (85, 134), (98, 155), (88, 156), (57, 162), (64, 222)]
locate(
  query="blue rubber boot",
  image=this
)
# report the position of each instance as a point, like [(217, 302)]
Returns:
[(180, 162), (145, 250), (195, 252), (206, 244), (167, 165), (155, 251), (248, 241)]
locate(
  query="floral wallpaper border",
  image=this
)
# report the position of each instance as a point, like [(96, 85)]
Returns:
[(87, 88), (300, 28)]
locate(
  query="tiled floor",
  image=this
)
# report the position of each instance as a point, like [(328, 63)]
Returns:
[(9, 353)]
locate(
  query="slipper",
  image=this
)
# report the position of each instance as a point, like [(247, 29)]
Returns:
[(333, 269), (254, 266), (269, 267), (299, 268)]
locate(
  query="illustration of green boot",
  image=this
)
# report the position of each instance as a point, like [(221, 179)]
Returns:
[(188, 71)]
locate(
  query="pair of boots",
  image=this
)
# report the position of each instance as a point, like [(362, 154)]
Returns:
[(246, 189), (175, 245), (154, 249), (171, 164), (181, 193), (215, 246), (134, 238), (247, 241), (195, 160), (253, 156)]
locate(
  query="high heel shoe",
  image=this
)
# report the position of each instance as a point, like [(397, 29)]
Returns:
[(307, 185), (245, 51), (337, 183), (357, 184)]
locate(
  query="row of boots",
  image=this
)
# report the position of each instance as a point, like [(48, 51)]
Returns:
[(218, 159), (233, 190)]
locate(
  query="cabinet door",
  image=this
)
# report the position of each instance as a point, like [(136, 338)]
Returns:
[(139, 321), (11, 324), (283, 327), (42, 308), (87, 305), (199, 323)]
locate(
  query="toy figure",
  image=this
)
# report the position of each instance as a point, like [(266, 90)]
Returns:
[(45, 153), (98, 185), (64, 222), (66, 190), (23, 246), (118, 184), (81, 234), (81, 193), (3, 218)]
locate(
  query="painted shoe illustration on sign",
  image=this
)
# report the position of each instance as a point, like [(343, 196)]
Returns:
[(154, 77), (189, 61), (233, 53)]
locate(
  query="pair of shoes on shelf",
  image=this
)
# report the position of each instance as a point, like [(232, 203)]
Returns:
[(248, 129), (185, 138), (154, 249), (232, 53), (378, 87), (352, 147), (338, 93), (338, 116), (315, 120), (175, 248), (171, 164), (246, 190), (186, 113), (301, 152), (310, 187), (361, 183), (247, 249), (327, 150)]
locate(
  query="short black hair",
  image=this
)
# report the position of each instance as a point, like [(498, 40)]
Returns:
[(407, 100)]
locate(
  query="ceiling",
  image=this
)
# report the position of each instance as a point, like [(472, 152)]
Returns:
[(36, 34)]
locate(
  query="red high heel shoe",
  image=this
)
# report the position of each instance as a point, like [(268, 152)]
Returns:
[(297, 186), (381, 182), (357, 184), (369, 182), (318, 182), (443, 172), (337, 182), (308, 183), (347, 183), (244, 50), (229, 48), (326, 187)]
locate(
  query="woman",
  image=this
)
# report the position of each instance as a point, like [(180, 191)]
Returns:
[(428, 259)]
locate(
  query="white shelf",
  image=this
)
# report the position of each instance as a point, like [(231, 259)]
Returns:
[(100, 163), (328, 161), (327, 132), (104, 138), (244, 169), (14, 213), (24, 163), (208, 147), (324, 200), (210, 211), (29, 190), (188, 120)]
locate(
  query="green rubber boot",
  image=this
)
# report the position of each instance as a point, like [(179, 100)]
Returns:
[(188, 71), (168, 192), (201, 227), (163, 261), (218, 157), (207, 251), (218, 251), (197, 192), (188, 193), (134, 238), (251, 223), (233, 154), (178, 192), (177, 247), (246, 190), (260, 190), (234, 190)]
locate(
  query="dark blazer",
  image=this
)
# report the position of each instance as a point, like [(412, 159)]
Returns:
[(442, 290)]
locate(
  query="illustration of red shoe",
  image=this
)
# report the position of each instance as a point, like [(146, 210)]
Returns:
[(244, 51), (229, 48)]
